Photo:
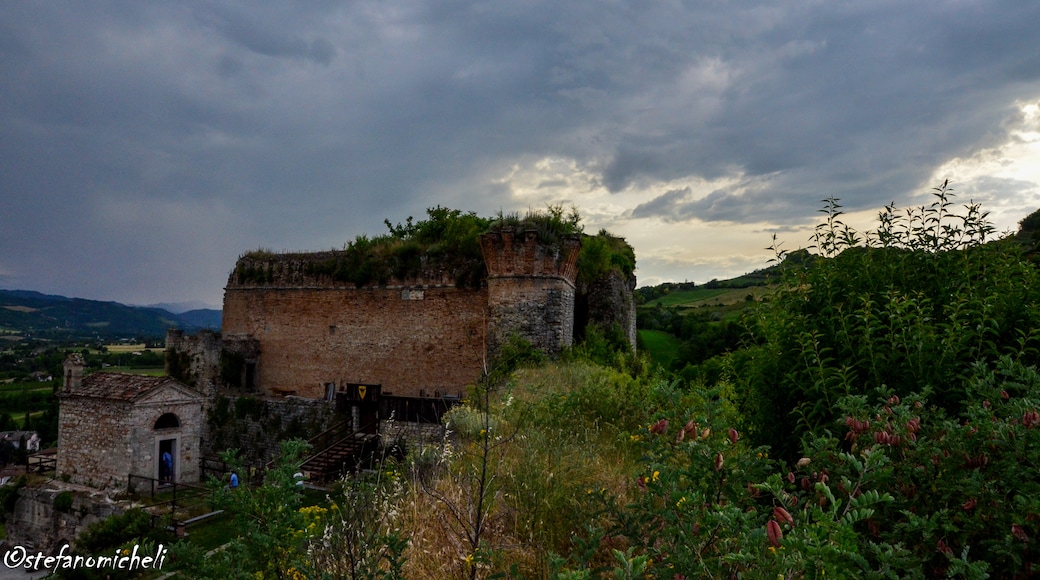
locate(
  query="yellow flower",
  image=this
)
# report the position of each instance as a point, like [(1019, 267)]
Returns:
[(655, 476), (469, 559)]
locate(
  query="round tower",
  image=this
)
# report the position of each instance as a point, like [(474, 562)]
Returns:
[(530, 289)]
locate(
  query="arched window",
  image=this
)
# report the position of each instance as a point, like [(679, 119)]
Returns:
[(167, 421)]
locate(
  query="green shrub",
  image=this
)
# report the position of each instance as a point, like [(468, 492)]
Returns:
[(911, 310), (63, 502), (134, 524)]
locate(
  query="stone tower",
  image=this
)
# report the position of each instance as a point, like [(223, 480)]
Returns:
[(530, 289)]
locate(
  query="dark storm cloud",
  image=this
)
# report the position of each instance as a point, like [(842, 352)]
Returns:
[(230, 125)]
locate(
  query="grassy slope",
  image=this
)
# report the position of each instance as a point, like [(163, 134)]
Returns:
[(684, 297), (663, 347)]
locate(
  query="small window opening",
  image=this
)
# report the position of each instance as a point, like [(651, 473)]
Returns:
[(167, 421)]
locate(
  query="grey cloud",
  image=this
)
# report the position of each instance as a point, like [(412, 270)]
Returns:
[(311, 122)]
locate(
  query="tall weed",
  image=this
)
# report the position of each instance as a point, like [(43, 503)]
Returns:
[(907, 307)]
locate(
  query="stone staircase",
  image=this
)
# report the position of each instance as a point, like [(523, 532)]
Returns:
[(338, 450)]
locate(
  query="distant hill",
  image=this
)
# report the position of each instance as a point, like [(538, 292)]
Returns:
[(179, 307), (28, 313), (202, 318), (681, 293)]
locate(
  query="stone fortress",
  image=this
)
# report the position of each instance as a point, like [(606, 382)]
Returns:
[(302, 351), (290, 331)]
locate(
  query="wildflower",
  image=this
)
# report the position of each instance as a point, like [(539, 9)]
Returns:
[(783, 515), (774, 533), (1019, 533), (733, 435)]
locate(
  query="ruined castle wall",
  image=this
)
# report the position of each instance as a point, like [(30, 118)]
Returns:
[(407, 339), (412, 435), (102, 451), (539, 310), (609, 300), (194, 359), (530, 289), (257, 426)]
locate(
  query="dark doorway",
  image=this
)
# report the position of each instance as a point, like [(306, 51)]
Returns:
[(250, 376), (167, 460)]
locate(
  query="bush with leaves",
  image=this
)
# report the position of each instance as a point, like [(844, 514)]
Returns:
[(355, 537), (913, 309), (897, 488), (269, 522)]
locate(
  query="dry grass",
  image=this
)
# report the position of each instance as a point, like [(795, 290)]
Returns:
[(546, 474)]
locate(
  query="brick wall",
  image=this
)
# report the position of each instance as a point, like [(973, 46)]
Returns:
[(403, 338), (530, 289)]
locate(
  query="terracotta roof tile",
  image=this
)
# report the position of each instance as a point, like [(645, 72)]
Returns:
[(117, 386)]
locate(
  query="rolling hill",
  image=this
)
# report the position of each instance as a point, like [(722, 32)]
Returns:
[(32, 314)]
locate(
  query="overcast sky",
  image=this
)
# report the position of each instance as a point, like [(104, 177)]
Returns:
[(145, 145)]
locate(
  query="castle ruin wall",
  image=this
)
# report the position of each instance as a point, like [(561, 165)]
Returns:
[(411, 340)]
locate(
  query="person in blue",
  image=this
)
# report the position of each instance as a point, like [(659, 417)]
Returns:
[(167, 464), (234, 479)]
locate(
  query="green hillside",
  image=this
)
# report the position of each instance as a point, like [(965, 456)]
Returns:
[(32, 314)]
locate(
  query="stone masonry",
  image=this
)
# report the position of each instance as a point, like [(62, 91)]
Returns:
[(113, 425), (530, 289), (418, 337)]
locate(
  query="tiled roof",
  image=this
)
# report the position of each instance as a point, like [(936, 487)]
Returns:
[(119, 386)]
